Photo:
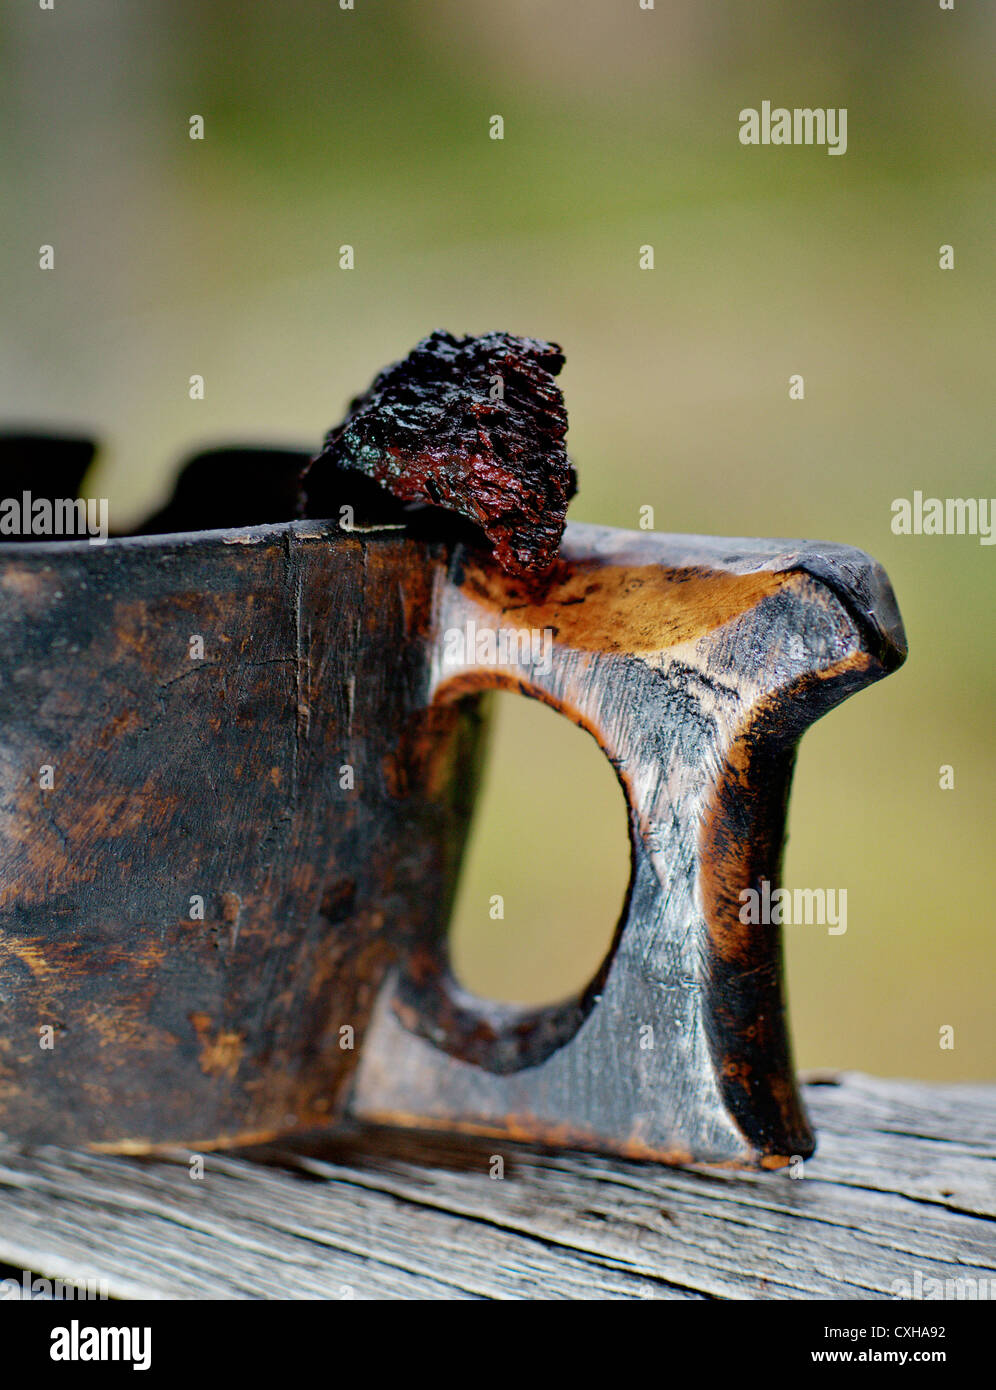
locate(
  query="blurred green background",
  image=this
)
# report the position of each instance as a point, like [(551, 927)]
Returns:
[(370, 127)]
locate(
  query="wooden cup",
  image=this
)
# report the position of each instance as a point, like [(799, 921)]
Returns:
[(236, 772)]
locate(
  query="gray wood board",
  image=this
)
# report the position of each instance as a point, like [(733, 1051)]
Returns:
[(903, 1182)]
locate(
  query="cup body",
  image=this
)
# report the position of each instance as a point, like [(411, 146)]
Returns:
[(226, 805)]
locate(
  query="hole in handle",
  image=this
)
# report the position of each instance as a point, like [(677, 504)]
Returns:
[(550, 843)]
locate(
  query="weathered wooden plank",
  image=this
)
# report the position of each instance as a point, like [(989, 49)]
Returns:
[(951, 1162), (903, 1182)]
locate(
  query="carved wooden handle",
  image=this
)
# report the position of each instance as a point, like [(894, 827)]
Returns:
[(696, 663)]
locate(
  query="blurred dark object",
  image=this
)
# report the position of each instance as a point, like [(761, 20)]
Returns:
[(50, 467), (232, 486), (327, 491)]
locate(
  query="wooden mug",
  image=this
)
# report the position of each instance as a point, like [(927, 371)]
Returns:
[(236, 773)]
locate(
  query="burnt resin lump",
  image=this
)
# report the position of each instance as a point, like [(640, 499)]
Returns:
[(474, 426)]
